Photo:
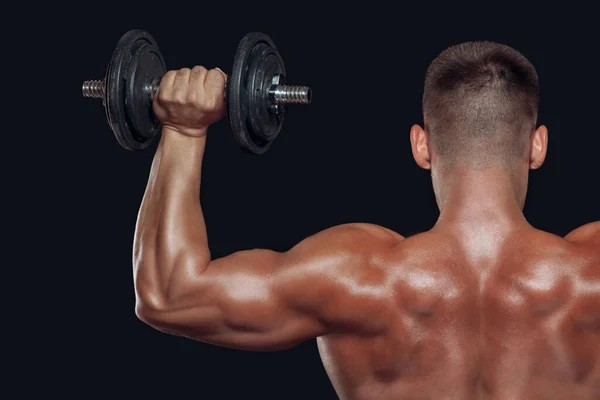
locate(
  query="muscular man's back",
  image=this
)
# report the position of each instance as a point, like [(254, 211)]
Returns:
[(481, 306), (511, 315)]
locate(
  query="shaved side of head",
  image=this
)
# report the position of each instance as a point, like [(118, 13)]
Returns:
[(480, 105)]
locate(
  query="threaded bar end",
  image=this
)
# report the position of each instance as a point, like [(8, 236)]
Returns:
[(287, 94), (94, 89)]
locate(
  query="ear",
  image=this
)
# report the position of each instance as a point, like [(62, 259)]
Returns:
[(539, 146), (420, 147)]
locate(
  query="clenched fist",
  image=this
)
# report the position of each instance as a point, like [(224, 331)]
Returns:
[(189, 101)]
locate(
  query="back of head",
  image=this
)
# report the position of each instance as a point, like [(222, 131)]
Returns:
[(480, 105)]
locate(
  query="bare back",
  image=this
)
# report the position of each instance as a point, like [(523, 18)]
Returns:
[(515, 319)]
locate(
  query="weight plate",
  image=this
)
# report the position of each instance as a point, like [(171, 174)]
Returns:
[(265, 63), (146, 66), (253, 123), (134, 49)]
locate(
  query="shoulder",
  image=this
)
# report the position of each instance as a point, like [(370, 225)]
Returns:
[(373, 231), (530, 248), (537, 254), (588, 238), (358, 235), (586, 234)]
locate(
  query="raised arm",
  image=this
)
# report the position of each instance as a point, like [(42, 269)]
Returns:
[(255, 299)]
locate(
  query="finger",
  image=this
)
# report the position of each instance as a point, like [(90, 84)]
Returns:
[(165, 88), (214, 85), (181, 84), (197, 77), (214, 82), (221, 71)]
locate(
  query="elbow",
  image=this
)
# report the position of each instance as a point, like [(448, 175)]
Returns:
[(157, 298), (157, 316), (144, 314), (151, 308), (151, 302)]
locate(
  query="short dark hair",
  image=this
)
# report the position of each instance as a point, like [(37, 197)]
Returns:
[(480, 103)]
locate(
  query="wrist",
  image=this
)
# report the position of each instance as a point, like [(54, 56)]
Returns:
[(181, 155), (193, 137), (190, 146)]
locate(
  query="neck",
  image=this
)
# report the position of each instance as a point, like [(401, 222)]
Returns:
[(470, 198)]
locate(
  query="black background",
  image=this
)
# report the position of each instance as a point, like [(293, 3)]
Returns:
[(344, 158)]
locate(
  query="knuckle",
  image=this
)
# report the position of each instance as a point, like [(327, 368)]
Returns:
[(200, 105), (212, 104), (176, 93), (169, 74), (180, 98), (163, 96), (192, 96), (196, 104), (183, 72)]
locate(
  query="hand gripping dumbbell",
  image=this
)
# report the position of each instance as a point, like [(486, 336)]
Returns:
[(256, 92)]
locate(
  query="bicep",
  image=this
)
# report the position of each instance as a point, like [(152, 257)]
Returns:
[(266, 300), (236, 302)]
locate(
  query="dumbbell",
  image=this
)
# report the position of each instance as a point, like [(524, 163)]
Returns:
[(256, 91)]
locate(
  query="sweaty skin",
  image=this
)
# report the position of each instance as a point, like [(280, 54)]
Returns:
[(482, 306)]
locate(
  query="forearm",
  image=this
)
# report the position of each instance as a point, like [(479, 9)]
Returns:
[(170, 236)]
